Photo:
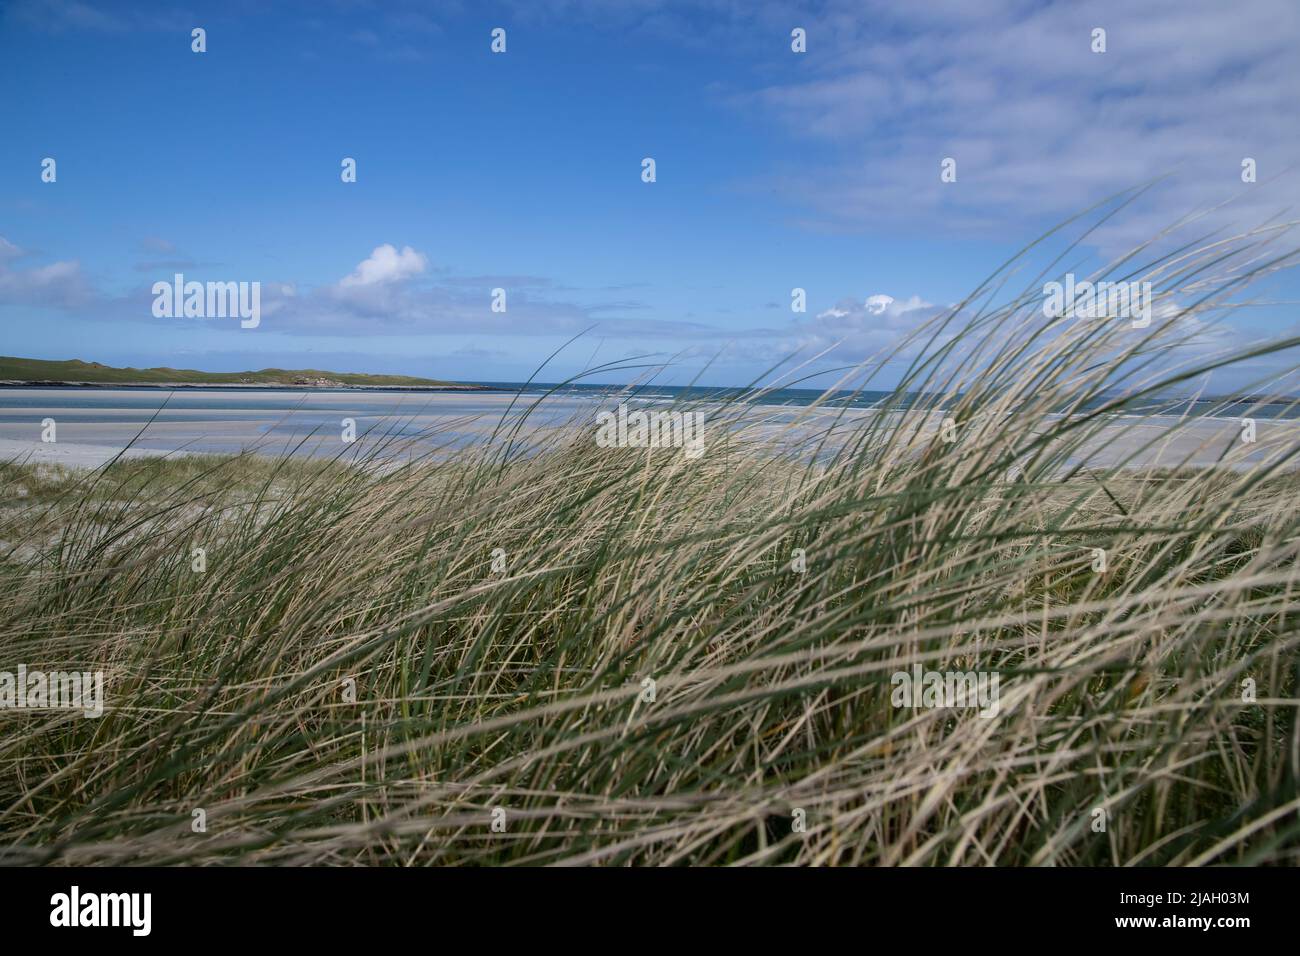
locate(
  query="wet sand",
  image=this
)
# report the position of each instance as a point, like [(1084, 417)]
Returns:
[(92, 426)]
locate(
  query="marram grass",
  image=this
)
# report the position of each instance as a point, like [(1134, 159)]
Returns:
[(350, 681)]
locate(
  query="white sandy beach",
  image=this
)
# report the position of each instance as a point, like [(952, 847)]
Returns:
[(68, 454)]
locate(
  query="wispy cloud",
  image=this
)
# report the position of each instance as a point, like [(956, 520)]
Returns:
[(1040, 126), (56, 285), (60, 16)]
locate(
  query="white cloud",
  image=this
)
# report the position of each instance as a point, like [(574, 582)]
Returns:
[(59, 284), (877, 311), (386, 264), (856, 329), (876, 304), (8, 250)]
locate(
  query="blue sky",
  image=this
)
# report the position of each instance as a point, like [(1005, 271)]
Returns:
[(522, 170)]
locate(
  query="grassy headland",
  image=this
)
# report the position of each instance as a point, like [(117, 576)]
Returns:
[(14, 371)]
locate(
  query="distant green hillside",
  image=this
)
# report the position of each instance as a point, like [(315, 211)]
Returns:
[(75, 370)]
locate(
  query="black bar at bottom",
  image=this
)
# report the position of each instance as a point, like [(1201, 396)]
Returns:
[(334, 906)]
